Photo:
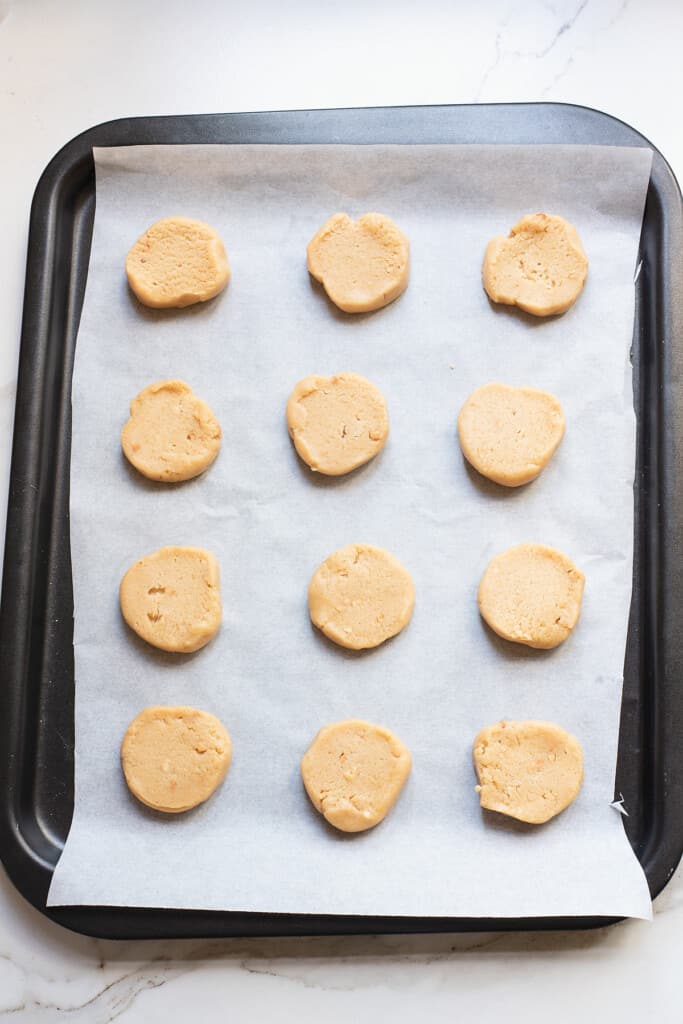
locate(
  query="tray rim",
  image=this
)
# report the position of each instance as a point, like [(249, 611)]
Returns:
[(13, 845)]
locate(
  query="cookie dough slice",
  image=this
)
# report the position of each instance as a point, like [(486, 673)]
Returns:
[(171, 598), (360, 596), (337, 423), (172, 435), (528, 770), (174, 758), (362, 264), (531, 594), (177, 262), (509, 434), (353, 772), (541, 265)]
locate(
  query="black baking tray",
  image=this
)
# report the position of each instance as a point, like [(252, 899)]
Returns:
[(36, 615)]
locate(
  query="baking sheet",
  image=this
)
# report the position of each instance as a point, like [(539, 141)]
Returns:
[(258, 845)]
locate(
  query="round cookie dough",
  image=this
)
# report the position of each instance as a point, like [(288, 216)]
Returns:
[(174, 758), (172, 598), (362, 264), (337, 423), (172, 434), (540, 267), (177, 262), (509, 434), (353, 772), (528, 770), (531, 594), (360, 596)]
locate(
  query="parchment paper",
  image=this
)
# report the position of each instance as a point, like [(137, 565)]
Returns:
[(258, 845)]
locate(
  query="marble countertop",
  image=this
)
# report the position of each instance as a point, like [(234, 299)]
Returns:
[(66, 66)]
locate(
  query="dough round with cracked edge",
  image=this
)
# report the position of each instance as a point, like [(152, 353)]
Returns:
[(337, 423), (172, 598), (541, 265), (173, 758), (172, 435), (353, 772), (509, 434), (528, 770), (176, 263), (362, 264), (531, 594), (360, 596)]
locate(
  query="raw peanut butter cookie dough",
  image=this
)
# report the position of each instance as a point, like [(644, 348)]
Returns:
[(172, 434), (540, 267), (174, 758), (337, 423), (528, 770), (531, 594), (362, 264), (360, 596), (509, 434), (353, 772), (177, 262), (172, 599)]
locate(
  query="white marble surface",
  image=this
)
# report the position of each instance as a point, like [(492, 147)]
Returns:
[(67, 65)]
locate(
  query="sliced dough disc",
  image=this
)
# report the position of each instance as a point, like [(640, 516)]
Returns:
[(363, 264), (353, 772), (173, 758), (528, 770), (360, 596), (172, 435), (509, 434), (541, 265), (531, 594), (172, 598), (337, 423), (177, 262)]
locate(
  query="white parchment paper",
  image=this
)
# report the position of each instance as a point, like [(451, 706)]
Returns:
[(258, 845)]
